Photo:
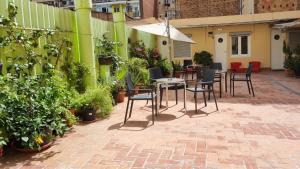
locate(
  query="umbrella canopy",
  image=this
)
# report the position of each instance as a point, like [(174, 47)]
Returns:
[(160, 29), (294, 24)]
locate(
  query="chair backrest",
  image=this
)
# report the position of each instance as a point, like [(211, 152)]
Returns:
[(173, 66), (155, 73), (249, 69), (129, 84), (187, 63), (208, 75), (216, 66)]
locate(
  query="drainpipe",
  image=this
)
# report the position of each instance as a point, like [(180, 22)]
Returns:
[(86, 44), (120, 28)]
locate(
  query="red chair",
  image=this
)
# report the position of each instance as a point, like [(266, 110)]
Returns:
[(236, 67), (256, 66)]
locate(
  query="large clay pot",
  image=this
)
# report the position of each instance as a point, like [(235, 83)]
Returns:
[(289, 72), (121, 96)]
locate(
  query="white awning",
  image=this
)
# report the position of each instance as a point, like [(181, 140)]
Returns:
[(160, 29), (294, 24)]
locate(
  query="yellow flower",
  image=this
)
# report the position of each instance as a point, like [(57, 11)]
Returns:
[(39, 140)]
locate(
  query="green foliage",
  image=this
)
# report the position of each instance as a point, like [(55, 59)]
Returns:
[(178, 66), (292, 58), (70, 118), (106, 47), (94, 99), (204, 58), (153, 56), (139, 70), (165, 66), (138, 50), (32, 107)]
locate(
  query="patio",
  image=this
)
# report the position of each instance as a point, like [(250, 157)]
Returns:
[(247, 132)]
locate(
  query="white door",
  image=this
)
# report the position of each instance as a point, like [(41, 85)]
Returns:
[(277, 56), (221, 49)]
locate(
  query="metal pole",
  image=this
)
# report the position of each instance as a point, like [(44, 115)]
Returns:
[(169, 36)]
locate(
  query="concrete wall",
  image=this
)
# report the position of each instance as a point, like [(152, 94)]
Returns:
[(260, 42)]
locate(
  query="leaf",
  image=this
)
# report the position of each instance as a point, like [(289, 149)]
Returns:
[(25, 139)]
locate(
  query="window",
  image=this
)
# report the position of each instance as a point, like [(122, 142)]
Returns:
[(240, 45), (182, 49)]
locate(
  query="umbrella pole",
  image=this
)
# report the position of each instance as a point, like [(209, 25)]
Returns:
[(169, 37)]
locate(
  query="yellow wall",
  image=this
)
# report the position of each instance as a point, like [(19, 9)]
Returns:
[(260, 42)]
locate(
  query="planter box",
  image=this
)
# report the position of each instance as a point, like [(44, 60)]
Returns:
[(121, 96), (103, 60)]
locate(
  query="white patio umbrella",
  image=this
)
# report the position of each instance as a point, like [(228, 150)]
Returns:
[(160, 29)]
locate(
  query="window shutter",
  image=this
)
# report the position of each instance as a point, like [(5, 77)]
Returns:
[(182, 49)]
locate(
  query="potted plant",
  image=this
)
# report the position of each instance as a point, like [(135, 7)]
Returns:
[(165, 66), (93, 102), (138, 50), (289, 60), (203, 58), (178, 68), (138, 69), (296, 64), (32, 110), (105, 50), (70, 118)]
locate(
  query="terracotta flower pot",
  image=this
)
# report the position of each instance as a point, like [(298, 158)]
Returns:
[(73, 111), (289, 72), (121, 96), (1, 152), (28, 150)]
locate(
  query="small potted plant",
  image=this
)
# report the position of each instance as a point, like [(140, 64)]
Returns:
[(93, 102), (178, 68), (105, 50), (139, 72), (289, 60), (203, 58)]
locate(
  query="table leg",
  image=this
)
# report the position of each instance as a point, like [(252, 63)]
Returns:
[(167, 96), (158, 94), (221, 86), (184, 96)]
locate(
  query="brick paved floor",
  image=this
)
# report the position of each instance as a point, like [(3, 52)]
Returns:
[(247, 133)]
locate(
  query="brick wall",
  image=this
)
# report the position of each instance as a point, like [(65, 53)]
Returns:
[(262, 6), (205, 8)]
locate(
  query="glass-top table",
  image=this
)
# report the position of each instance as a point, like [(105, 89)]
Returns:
[(167, 82)]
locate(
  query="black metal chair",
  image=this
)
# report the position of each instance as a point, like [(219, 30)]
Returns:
[(244, 77), (149, 95), (218, 77), (207, 85), (156, 73)]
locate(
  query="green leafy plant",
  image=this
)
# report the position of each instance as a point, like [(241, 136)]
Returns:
[(165, 66), (204, 58), (153, 56), (138, 69), (32, 108), (178, 66), (106, 47), (95, 99)]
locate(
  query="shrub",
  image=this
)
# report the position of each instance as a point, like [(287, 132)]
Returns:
[(139, 70), (204, 58), (95, 99), (165, 66)]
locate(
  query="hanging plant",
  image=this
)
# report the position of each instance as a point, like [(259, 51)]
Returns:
[(105, 50)]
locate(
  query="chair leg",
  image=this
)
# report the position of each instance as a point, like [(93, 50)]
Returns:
[(195, 96), (125, 119), (252, 88), (220, 85), (156, 106), (161, 96), (131, 108), (230, 86), (233, 87), (209, 92), (248, 87), (152, 110), (204, 97), (176, 93), (215, 98)]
